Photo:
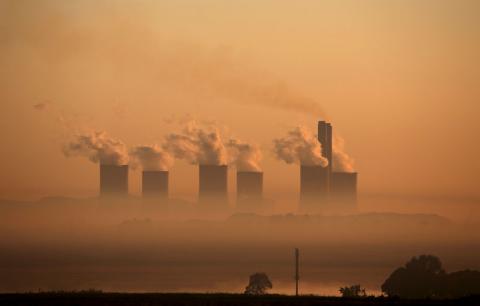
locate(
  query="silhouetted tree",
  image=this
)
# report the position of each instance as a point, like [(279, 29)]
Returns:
[(259, 284), (354, 291), (422, 277), (461, 283)]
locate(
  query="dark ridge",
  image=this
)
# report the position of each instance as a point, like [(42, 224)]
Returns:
[(97, 298)]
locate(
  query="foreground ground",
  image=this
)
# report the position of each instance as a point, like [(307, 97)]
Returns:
[(140, 299)]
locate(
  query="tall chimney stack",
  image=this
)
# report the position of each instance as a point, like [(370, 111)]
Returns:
[(155, 183), (325, 139), (113, 180), (342, 190)]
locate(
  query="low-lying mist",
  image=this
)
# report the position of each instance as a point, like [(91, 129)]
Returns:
[(135, 245)]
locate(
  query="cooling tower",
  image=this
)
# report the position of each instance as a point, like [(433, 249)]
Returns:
[(249, 191), (314, 186), (249, 184), (343, 189), (325, 139), (113, 180), (213, 184), (155, 183)]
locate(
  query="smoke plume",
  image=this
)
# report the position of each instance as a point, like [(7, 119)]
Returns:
[(40, 106), (197, 145), (245, 156), (341, 162), (57, 36), (98, 147), (300, 146), (151, 157), (267, 92)]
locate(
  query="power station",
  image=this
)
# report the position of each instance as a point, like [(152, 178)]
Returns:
[(113, 180), (249, 184), (314, 186), (325, 139), (155, 184), (343, 191), (212, 185), (321, 188), (249, 190)]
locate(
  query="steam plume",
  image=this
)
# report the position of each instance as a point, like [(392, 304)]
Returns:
[(300, 146), (151, 157), (197, 145), (98, 147), (245, 156), (342, 162)]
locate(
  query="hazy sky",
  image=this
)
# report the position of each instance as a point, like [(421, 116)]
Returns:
[(399, 80)]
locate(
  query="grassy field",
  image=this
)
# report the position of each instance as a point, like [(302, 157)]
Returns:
[(186, 299)]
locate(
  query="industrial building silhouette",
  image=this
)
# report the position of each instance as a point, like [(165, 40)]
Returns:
[(321, 188), (343, 189), (113, 180), (155, 183), (212, 180), (249, 184), (249, 190), (314, 187), (338, 189)]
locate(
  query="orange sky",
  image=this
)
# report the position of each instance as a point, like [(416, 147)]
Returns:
[(399, 80)]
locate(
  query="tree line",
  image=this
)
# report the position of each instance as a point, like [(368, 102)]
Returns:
[(422, 277)]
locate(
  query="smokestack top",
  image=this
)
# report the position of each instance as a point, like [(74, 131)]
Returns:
[(151, 157), (300, 146), (155, 171), (197, 145), (98, 147), (312, 166), (107, 165), (325, 139), (212, 166), (245, 156)]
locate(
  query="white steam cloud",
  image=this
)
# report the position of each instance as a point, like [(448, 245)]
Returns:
[(98, 147), (300, 146), (341, 162), (151, 157), (197, 145), (245, 156)]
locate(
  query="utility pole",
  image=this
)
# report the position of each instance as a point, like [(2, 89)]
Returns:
[(297, 277)]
